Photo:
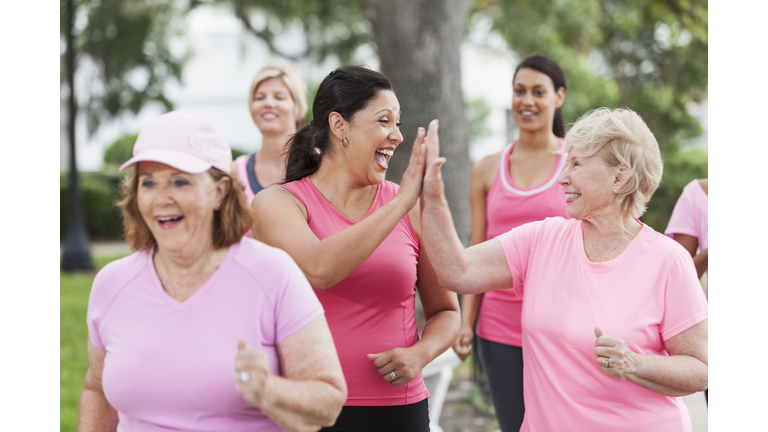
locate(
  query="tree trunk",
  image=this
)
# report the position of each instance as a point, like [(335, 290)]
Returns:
[(419, 45)]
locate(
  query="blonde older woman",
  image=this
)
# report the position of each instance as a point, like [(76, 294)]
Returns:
[(278, 103), (202, 329), (614, 319)]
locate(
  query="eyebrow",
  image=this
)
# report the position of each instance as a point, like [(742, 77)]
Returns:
[(388, 109)]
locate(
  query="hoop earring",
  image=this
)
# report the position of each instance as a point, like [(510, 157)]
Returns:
[(344, 142)]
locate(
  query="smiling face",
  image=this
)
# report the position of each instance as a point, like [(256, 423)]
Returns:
[(374, 134), (178, 207), (534, 100), (273, 109), (589, 183)]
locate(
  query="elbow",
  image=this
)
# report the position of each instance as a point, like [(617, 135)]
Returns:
[(335, 404), (318, 278)]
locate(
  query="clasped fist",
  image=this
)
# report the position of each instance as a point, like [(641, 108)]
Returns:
[(252, 375), (404, 362), (614, 356)]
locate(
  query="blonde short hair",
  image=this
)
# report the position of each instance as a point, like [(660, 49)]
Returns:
[(277, 68), (622, 139), (230, 223)]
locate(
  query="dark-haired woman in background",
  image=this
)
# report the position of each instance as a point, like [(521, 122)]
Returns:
[(513, 187), (356, 236)]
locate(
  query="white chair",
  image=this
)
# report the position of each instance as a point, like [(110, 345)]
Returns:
[(437, 376)]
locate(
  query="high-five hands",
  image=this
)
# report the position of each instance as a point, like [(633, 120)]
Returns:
[(433, 186)]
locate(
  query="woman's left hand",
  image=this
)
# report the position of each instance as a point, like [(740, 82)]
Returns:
[(614, 356), (251, 374), (405, 363)]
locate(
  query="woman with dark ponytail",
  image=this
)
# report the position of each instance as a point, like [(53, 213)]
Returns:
[(356, 237), (513, 187)]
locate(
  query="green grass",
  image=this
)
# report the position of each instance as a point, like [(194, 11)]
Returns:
[(75, 288)]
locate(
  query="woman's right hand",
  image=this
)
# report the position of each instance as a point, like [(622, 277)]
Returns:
[(463, 344), (410, 185)]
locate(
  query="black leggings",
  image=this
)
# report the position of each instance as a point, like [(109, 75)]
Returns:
[(405, 418), (503, 366)]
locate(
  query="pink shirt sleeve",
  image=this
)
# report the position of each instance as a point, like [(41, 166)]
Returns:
[(684, 215), (517, 245), (296, 304), (684, 302)]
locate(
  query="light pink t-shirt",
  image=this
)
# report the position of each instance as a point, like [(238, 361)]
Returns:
[(170, 366), (509, 206), (690, 217), (374, 308), (645, 296)]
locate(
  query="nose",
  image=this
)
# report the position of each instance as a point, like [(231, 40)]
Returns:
[(564, 178), (164, 197), (396, 136), (527, 98)]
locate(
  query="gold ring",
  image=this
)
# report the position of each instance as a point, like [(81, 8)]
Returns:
[(605, 362)]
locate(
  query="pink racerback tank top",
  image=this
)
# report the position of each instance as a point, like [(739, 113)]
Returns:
[(509, 206), (374, 308)]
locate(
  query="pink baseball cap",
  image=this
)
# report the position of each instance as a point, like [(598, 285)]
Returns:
[(184, 141)]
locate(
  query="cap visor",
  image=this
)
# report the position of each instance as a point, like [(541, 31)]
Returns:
[(180, 161)]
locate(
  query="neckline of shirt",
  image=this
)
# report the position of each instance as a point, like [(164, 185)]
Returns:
[(610, 264), (218, 274), (338, 212), (510, 185)]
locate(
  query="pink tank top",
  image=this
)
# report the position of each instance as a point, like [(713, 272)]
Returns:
[(374, 308), (508, 206)]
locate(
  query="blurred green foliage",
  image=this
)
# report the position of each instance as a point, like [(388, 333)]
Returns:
[(98, 193), (679, 169), (125, 43)]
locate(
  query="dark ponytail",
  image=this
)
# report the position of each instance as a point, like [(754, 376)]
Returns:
[(346, 91), (549, 67)]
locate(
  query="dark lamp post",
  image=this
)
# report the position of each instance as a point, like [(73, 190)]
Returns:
[(77, 255)]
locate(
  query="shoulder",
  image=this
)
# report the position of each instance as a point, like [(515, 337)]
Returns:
[(116, 275), (276, 198), (252, 252), (663, 245), (487, 165)]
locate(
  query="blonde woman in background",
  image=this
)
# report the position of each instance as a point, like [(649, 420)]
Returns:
[(278, 104)]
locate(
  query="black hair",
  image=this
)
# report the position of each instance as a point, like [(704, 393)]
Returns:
[(346, 91), (549, 67)]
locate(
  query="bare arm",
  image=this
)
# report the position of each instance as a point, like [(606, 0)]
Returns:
[(312, 392), (480, 268), (691, 244), (95, 413), (282, 222), (683, 372), (482, 176)]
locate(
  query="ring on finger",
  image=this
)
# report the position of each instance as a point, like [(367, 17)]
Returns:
[(392, 375), (245, 376), (605, 362)]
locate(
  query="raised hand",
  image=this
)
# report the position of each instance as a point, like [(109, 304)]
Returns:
[(410, 185), (251, 374), (404, 363), (614, 356), (433, 186)]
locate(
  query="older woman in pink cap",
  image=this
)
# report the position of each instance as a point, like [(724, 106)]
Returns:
[(201, 329)]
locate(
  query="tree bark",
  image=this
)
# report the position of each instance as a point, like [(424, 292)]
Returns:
[(419, 44)]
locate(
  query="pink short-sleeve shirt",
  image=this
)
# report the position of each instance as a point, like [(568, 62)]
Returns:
[(170, 366), (645, 296), (690, 216)]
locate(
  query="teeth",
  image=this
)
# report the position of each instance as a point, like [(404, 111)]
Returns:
[(386, 152), (573, 195), (166, 219), (527, 112)]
